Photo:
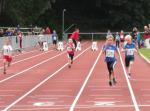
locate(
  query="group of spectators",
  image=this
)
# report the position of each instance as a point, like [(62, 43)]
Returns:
[(142, 39), (8, 32)]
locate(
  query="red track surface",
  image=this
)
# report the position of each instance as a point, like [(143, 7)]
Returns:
[(44, 83)]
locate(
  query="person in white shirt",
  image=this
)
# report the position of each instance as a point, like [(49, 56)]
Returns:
[(7, 54)]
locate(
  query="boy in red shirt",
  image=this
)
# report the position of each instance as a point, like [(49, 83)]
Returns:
[(75, 37), (70, 51)]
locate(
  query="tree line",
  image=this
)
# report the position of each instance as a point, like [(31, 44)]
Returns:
[(87, 14)]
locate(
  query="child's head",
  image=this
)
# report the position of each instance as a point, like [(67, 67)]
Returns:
[(70, 41), (128, 39), (6, 41), (77, 29), (110, 39)]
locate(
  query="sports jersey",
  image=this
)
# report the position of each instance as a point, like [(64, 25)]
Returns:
[(75, 35), (129, 50), (70, 48), (7, 50), (109, 52)]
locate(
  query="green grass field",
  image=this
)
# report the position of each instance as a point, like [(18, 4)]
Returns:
[(145, 52)]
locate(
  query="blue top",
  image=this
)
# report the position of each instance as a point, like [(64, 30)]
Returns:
[(54, 36), (109, 52), (138, 37), (117, 37), (129, 49)]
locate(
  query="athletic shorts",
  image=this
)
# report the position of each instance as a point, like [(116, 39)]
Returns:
[(7, 58), (70, 56), (111, 66), (54, 42), (128, 60)]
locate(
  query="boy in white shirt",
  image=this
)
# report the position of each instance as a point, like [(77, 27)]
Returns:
[(7, 54)]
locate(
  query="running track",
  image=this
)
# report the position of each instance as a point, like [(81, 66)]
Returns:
[(41, 81)]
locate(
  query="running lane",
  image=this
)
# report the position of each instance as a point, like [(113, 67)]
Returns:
[(57, 93), (15, 87), (140, 81), (99, 96)]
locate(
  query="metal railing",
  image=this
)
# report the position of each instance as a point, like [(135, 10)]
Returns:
[(27, 41)]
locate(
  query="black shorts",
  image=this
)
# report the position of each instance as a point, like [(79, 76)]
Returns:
[(40, 43), (128, 60), (71, 56), (75, 43), (111, 66), (55, 42)]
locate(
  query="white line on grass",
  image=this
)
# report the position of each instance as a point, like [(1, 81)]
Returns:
[(84, 84), (129, 85), (146, 59), (41, 83)]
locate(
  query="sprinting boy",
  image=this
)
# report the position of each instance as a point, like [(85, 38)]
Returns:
[(109, 50), (7, 54)]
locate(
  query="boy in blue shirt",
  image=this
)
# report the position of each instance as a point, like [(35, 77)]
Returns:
[(109, 50), (129, 50)]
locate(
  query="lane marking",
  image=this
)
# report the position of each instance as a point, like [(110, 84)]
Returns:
[(1, 81), (106, 95), (28, 58), (41, 83), (24, 53), (104, 103), (63, 107), (84, 84), (146, 59), (129, 85), (44, 104)]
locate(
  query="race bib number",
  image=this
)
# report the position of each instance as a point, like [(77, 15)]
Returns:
[(55, 38), (7, 51), (69, 49), (130, 52), (110, 53)]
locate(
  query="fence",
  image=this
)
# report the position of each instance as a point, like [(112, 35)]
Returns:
[(27, 41), (95, 36)]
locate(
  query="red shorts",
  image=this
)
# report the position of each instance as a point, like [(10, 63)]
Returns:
[(7, 58)]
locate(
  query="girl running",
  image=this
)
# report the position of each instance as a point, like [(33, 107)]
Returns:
[(7, 54), (70, 51), (129, 50), (109, 50)]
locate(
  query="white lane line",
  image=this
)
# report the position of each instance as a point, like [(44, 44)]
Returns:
[(24, 53), (28, 58), (106, 95), (104, 98), (57, 90), (6, 95), (1, 81), (129, 85), (11, 90), (41, 83), (106, 89), (146, 59), (63, 107), (84, 84)]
